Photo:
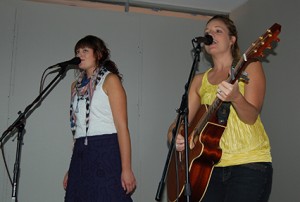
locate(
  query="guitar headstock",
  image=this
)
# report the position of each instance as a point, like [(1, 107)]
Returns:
[(264, 42), (255, 51)]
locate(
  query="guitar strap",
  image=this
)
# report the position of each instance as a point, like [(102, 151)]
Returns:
[(223, 113)]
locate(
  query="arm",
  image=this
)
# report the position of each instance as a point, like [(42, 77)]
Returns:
[(118, 102), (194, 105), (66, 176), (248, 107)]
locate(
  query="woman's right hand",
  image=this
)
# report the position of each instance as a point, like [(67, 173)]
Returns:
[(179, 142), (65, 181)]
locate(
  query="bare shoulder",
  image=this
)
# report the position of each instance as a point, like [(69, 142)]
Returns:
[(255, 69), (196, 83), (112, 81), (198, 78), (199, 75), (112, 78), (254, 64)]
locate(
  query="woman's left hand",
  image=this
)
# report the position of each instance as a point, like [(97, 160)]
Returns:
[(228, 92), (128, 181)]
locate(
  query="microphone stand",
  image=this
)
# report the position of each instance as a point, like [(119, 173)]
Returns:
[(182, 115), (19, 124)]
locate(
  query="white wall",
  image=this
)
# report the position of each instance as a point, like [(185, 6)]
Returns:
[(280, 112), (153, 54)]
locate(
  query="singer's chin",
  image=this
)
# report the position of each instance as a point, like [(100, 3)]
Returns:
[(81, 67)]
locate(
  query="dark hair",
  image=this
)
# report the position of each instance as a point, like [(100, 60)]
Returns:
[(235, 50), (101, 51)]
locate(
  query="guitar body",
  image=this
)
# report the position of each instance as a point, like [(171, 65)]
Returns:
[(204, 153)]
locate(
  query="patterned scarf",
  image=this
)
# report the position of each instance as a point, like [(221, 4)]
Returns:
[(84, 89)]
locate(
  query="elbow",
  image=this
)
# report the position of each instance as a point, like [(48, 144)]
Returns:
[(250, 120)]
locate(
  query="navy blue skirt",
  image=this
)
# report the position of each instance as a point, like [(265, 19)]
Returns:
[(95, 171)]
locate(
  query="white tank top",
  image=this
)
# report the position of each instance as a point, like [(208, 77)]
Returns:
[(101, 119)]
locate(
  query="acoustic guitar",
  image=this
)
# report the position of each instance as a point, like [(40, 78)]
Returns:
[(205, 132)]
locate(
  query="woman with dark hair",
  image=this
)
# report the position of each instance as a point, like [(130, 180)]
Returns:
[(244, 172), (100, 168)]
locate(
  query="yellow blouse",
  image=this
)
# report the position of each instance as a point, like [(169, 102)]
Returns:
[(241, 143)]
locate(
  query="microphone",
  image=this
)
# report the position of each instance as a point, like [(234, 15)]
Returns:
[(207, 39), (73, 61), (63, 69)]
